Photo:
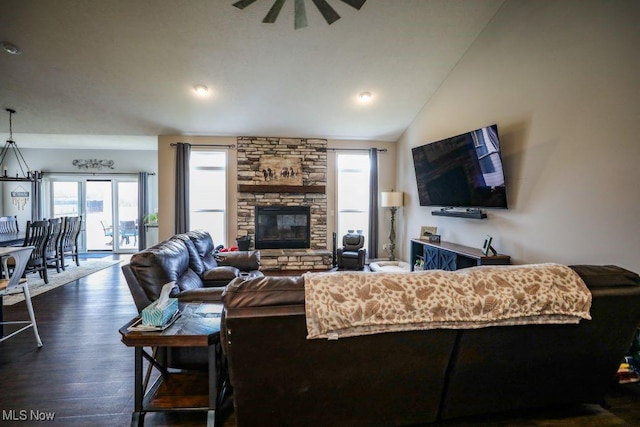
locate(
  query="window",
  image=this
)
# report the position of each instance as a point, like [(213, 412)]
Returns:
[(208, 193), (65, 198), (353, 194)]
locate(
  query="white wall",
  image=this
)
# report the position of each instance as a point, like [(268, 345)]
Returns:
[(562, 81)]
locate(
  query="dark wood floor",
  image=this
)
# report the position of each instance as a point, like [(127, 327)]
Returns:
[(84, 374)]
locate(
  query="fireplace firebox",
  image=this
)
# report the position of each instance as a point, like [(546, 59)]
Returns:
[(282, 227)]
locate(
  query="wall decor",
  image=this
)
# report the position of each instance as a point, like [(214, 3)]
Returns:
[(277, 154), (93, 164), (276, 170), (19, 197)]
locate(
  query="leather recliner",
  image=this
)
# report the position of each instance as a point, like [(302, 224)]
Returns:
[(188, 260), (352, 254), (199, 273)]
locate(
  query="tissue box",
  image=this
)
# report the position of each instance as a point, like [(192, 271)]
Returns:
[(153, 316)]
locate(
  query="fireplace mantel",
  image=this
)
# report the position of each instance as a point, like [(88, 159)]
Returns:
[(247, 188)]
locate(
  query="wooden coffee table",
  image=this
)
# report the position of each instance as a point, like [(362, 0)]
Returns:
[(197, 326)]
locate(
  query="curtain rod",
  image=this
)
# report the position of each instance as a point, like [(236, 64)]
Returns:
[(95, 173), (380, 150), (173, 144)]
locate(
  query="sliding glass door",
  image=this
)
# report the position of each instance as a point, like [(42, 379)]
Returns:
[(68, 201), (126, 194), (99, 215), (109, 207)]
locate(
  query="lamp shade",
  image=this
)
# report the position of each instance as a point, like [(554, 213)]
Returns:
[(391, 199)]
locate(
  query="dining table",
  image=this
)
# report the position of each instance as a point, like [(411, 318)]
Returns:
[(12, 239), (6, 280), (9, 239)]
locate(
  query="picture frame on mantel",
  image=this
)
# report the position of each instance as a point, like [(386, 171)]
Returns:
[(287, 176), (279, 174), (278, 170), (427, 230)]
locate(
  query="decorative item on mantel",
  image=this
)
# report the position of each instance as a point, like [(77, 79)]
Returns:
[(93, 164), (27, 174), (280, 174), (276, 170)]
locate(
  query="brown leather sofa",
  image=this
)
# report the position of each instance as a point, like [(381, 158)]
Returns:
[(200, 275), (404, 378), (189, 260)]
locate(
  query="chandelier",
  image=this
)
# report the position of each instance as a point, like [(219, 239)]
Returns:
[(11, 146)]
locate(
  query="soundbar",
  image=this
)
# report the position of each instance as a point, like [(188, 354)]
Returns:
[(470, 213)]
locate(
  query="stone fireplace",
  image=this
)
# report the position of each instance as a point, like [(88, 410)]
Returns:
[(304, 187), (282, 227)]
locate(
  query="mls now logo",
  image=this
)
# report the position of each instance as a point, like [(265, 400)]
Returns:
[(24, 415)]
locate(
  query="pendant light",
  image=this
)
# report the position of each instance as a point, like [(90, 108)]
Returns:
[(10, 146)]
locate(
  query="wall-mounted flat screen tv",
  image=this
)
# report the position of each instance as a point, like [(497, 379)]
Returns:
[(461, 171)]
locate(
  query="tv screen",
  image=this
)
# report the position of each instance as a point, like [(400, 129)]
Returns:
[(461, 171)]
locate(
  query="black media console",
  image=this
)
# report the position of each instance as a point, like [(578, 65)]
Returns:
[(451, 256)]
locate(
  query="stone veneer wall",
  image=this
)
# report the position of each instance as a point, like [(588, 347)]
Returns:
[(313, 155)]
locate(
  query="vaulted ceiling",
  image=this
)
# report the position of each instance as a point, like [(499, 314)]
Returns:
[(102, 70)]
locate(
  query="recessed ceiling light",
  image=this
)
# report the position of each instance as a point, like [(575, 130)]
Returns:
[(365, 97), (11, 48), (201, 90)]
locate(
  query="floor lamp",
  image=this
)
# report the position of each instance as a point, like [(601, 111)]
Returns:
[(392, 200)]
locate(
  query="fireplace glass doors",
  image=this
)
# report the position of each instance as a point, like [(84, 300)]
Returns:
[(282, 227)]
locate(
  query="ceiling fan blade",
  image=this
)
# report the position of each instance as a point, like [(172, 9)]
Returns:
[(355, 3), (329, 13), (300, 15), (241, 4), (273, 12)]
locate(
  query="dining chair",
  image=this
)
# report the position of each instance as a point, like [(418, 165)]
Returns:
[(108, 232), (37, 235), (9, 224), (53, 253), (69, 239), (14, 283), (128, 229)]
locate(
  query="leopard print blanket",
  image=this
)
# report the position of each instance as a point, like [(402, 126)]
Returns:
[(357, 303)]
